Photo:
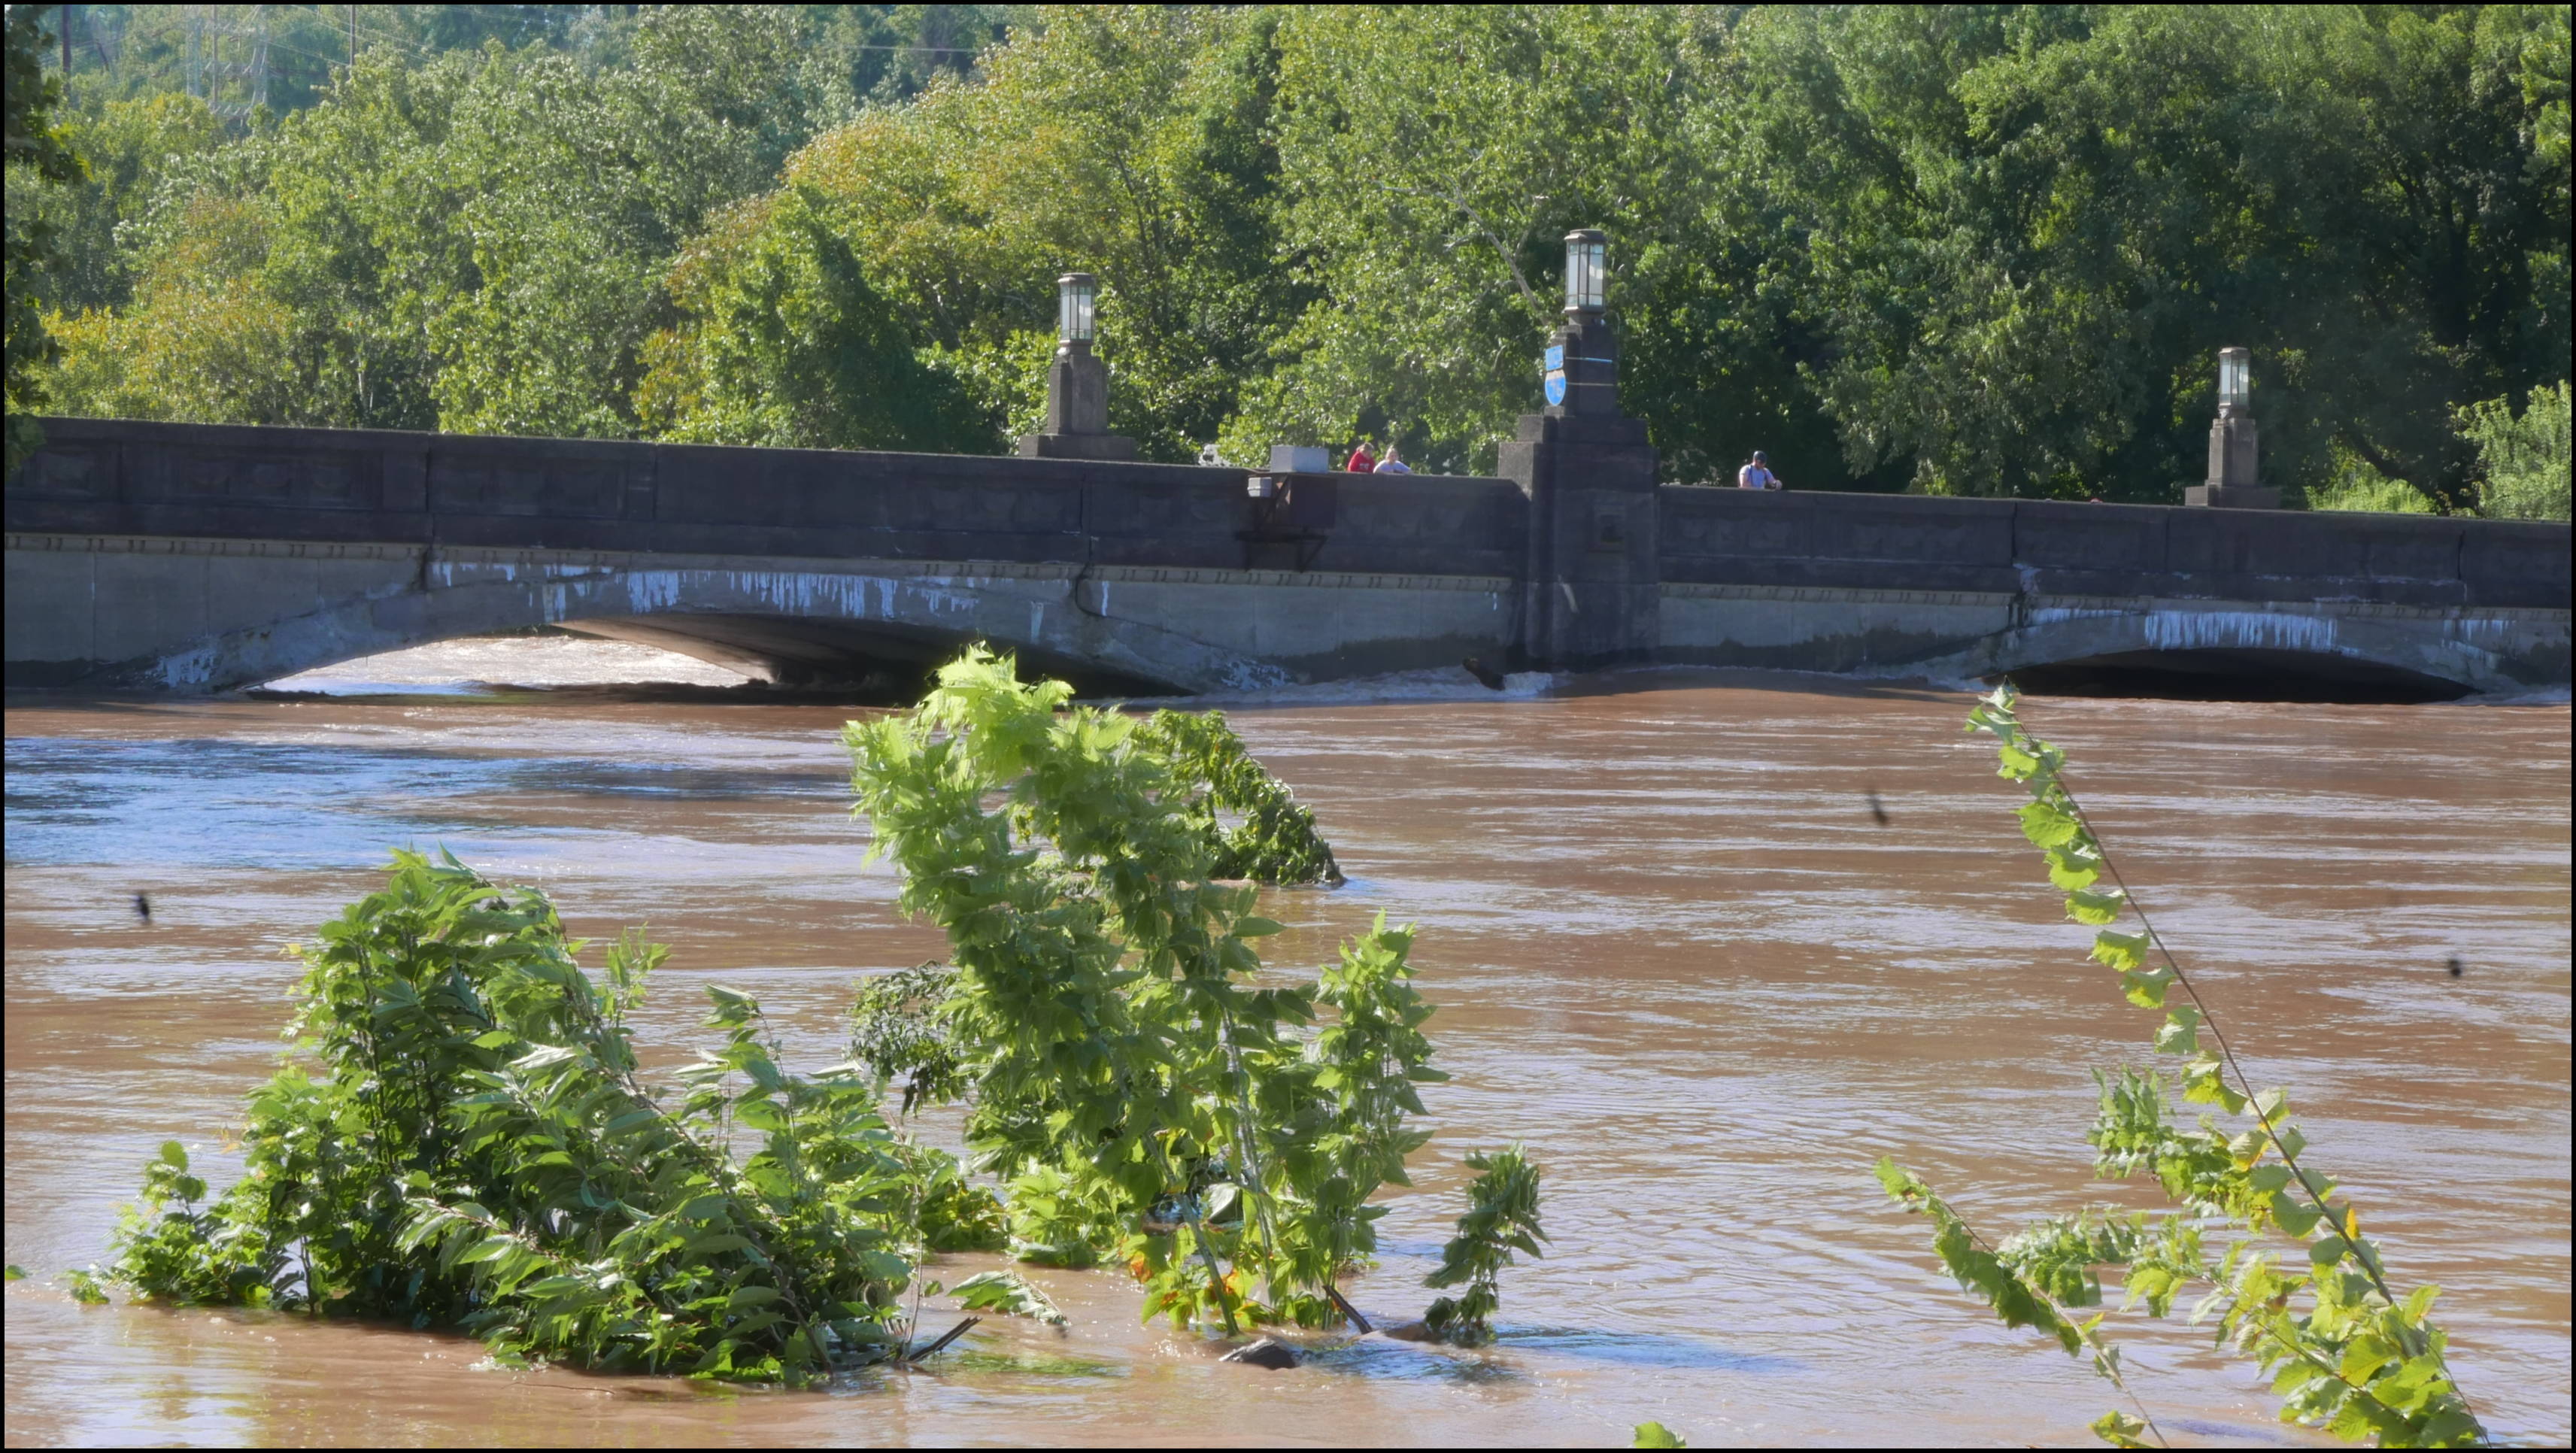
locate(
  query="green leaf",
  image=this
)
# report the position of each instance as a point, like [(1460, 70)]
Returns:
[(2205, 1084), (2074, 868), (2146, 987), (1008, 1293), (2122, 951), (174, 1154), (1256, 927), (2120, 1430), (2452, 1427), (2048, 826), (2291, 1216), (490, 1248), (2181, 1031), (2091, 906), (1656, 1435)]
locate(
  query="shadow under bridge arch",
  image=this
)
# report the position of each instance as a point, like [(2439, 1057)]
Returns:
[(2337, 652), (891, 623)]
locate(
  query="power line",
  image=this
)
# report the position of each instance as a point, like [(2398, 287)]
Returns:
[(334, 21)]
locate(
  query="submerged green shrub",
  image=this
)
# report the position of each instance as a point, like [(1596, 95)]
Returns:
[(1146, 1097), (895, 1031), (1501, 1218), (1275, 841), (462, 1140)]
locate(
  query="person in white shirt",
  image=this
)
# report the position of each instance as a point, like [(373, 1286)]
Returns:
[(1756, 475), (1392, 465)]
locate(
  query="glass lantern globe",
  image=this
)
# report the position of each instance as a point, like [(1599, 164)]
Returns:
[(1583, 271), (2235, 379), (1075, 293)]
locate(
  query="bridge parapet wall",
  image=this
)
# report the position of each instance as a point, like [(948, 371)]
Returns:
[(2048, 547), (122, 477)]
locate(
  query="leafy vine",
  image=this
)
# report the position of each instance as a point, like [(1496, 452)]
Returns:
[(2344, 1350)]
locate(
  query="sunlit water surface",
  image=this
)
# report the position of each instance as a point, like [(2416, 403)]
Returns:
[(1673, 952)]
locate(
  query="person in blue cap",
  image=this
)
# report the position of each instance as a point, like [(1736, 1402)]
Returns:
[(1756, 474)]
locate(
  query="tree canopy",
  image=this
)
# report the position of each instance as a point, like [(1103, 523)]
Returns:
[(1957, 249)]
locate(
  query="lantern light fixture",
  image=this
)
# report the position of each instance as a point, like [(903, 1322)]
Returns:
[(2235, 380), (1583, 270), (1075, 295)]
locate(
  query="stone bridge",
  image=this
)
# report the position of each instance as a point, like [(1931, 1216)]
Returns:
[(180, 559)]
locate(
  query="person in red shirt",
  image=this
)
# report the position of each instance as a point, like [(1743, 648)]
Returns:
[(1361, 461)]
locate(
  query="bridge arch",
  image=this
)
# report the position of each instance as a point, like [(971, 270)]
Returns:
[(2321, 652), (838, 621)]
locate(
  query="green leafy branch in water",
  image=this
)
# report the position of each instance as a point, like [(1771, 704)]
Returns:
[(1009, 1293), (1145, 1096), (895, 1031), (1276, 840), (478, 1151), (1501, 1218), (2345, 1352)]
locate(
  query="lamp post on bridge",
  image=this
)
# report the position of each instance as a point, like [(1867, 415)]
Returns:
[(1591, 594), (2232, 455), (1582, 374), (1077, 416)]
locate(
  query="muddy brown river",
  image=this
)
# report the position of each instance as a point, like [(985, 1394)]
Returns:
[(1672, 950)]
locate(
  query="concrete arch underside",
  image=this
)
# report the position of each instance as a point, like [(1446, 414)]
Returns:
[(193, 617), (2304, 648)]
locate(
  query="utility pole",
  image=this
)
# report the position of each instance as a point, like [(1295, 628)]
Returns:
[(67, 43), (259, 55), (353, 38)]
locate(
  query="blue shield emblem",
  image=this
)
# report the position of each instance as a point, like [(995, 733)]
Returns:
[(1555, 385)]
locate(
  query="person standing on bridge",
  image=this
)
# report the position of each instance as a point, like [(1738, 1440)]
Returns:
[(1390, 464), (1361, 461), (1756, 474)]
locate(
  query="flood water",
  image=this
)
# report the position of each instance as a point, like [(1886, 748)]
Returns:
[(1672, 949)]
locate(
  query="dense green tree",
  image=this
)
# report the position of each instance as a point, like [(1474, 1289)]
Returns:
[(130, 147), (1432, 161), (476, 244), (37, 158), (283, 58), (2032, 228), (787, 343), (1974, 249), (1127, 141)]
